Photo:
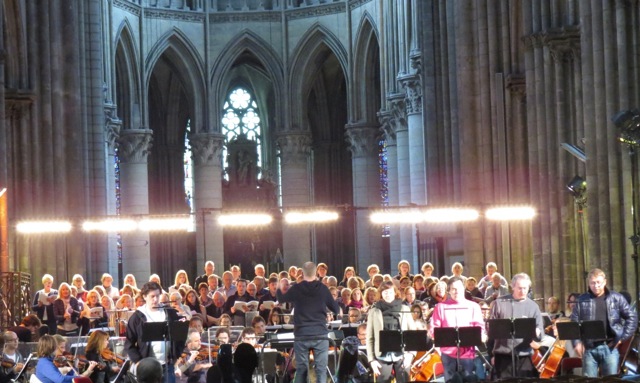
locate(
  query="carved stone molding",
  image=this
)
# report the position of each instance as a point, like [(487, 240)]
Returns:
[(398, 111), (353, 4), (134, 145), (415, 58), (207, 148), (363, 139), (174, 14), (17, 102), (413, 86), (563, 43), (387, 126), (516, 83), (112, 126), (294, 147), (532, 41), (316, 11), (127, 6)]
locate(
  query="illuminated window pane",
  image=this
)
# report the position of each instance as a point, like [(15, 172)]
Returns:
[(188, 175), (241, 116)]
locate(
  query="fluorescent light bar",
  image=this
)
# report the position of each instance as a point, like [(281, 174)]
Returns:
[(165, 224), (245, 219), (386, 217), (451, 215), (311, 217), (43, 227), (510, 213), (110, 225)]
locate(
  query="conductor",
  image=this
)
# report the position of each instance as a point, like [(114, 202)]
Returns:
[(311, 299)]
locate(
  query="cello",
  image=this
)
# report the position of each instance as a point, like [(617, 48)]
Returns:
[(549, 368), (423, 367)]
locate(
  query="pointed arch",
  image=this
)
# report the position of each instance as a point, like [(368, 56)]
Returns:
[(366, 71), (246, 42), (127, 82), (188, 66), (317, 42), (15, 57)]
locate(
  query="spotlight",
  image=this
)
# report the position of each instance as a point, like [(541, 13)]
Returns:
[(577, 186), (628, 123), (110, 225), (510, 213), (43, 227), (311, 217), (245, 219)]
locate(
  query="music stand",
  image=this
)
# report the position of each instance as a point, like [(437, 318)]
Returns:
[(585, 330), (520, 328), (415, 340), (457, 337), (168, 332), (390, 341)]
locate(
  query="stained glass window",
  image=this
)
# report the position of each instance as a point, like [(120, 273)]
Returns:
[(241, 116)]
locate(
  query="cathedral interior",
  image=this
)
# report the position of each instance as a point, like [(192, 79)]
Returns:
[(199, 108)]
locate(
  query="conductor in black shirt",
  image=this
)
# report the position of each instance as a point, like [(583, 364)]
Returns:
[(311, 300)]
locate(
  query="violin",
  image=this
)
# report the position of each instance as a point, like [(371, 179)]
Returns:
[(111, 356), (7, 363)]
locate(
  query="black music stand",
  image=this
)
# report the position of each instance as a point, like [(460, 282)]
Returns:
[(168, 332), (457, 337), (585, 330), (520, 328)]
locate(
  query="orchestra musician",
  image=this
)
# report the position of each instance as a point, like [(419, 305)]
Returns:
[(96, 345), (28, 328), (12, 360), (192, 367), (47, 371)]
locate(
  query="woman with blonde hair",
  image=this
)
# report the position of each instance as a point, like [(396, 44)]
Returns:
[(66, 310), (404, 270), (46, 371), (181, 279), (78, 282), (88, 320), (109, 308)]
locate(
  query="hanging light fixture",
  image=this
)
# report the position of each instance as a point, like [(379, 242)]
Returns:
[(628, 124)]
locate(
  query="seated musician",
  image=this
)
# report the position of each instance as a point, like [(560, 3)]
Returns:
[(195, 323), (47, 371), (12, 361), (223, 336), (28, 328), (192, 367), (248, 335), (96, 345), (259, 327)]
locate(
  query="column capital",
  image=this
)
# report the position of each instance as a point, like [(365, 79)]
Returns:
[(363, 139), (207, 148), (387, 126), (413, 87), (135, 145), (398, 111), (516, 83), (294, 147), (112, 126), (563, 43)]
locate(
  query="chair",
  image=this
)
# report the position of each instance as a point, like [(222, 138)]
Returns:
[(568, 364), (438, 370)]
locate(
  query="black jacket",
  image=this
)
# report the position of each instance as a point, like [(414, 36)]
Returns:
[(622, 319), (136, 349), (311, 300), (58, 310)]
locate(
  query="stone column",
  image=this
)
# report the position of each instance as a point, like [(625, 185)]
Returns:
[(207, 171), (113, 126), (399, 119), (366, 191), (296, 192), (388, 129), (417, 165), (134, 190)]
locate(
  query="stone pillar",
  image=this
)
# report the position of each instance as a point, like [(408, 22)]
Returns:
[(113, 126), (417, 166), (388, 129), (366, 191), (296, 192), (134, 190), (399, 116), (207, 171)]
